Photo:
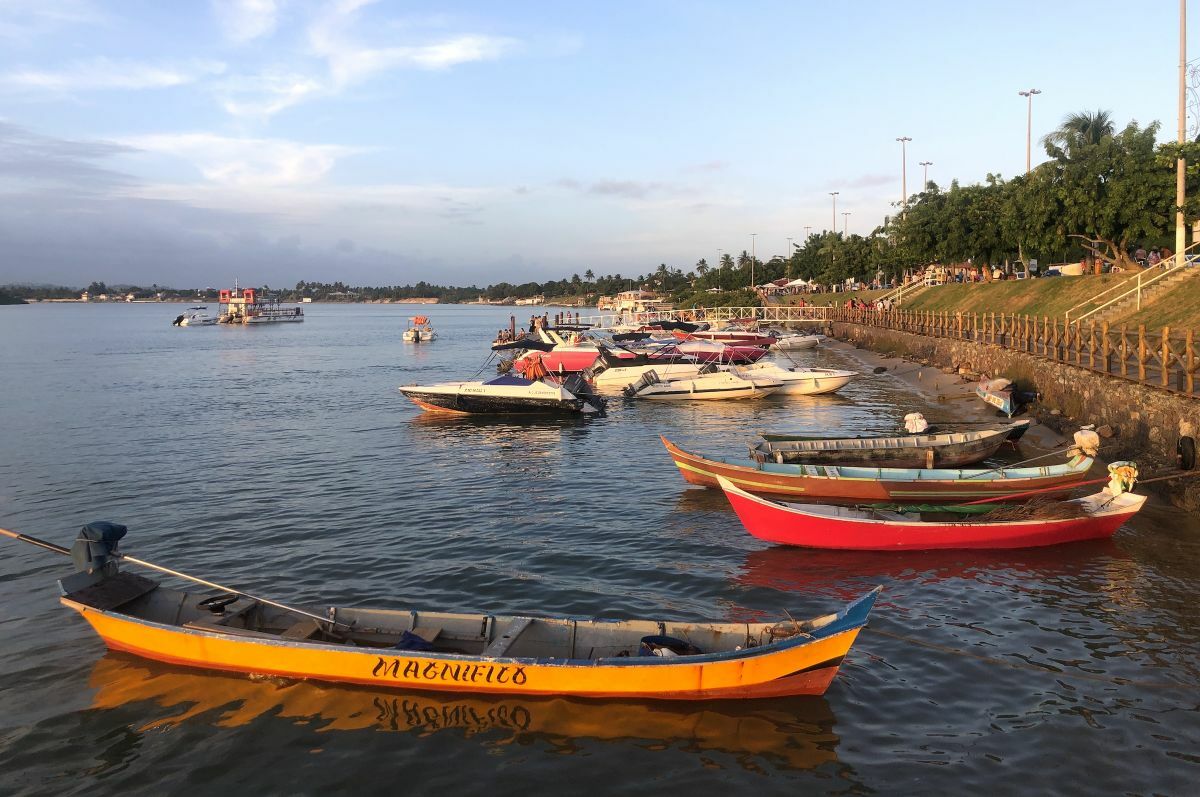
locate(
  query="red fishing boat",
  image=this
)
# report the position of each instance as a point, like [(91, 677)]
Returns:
[(736, 337), (867, 484), (866, 528)]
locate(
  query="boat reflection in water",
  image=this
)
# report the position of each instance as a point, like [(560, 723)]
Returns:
[(793, 733), (841, 573)]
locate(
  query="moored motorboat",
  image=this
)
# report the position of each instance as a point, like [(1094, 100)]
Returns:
[(865, 484), (799, 381), (507, 394), (910, 451), (419, 330), (711, 386), (451, 652), (1095, 516), (195, 317), (613, 371), (795, 342)]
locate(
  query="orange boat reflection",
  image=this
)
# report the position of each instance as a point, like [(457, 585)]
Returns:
[(794, 733)]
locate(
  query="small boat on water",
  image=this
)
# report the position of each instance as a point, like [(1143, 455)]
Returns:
[(419, 330), (901, 528), (508, 394), (1003, 395), (729, 384), (738, 337), (1015, 429), (613, 371), (910, 451), (195, 317), (860, 484), (796, 342), (798, 381), (450, 652)]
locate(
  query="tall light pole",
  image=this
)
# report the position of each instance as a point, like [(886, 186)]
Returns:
[(1029, 124), (845, 221), (904, 169), (807, 232), (720, 270), (834, 195), (925, 178), (1180, 165), (752, 236)]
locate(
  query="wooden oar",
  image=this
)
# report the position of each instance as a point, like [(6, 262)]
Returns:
[(49, 546), (1035, 492)]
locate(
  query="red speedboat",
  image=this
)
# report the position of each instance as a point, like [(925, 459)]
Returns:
[(877, 529), (711, 351)]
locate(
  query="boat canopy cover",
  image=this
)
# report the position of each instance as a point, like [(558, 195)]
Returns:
[(509, 379), (682, 326), (623, 336), (95, 549), (524, 343)]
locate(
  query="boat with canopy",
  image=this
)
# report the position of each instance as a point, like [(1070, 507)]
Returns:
[(447, 651)]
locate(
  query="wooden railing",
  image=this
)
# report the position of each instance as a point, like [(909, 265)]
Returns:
[(1162, 358)]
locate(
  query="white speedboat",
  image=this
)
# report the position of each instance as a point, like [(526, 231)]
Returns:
[(731, 384), (796, 342), (797, 381), (507, 394), (195, 317), (419, 330)]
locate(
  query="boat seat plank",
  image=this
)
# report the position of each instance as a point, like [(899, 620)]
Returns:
[(302, 630), (428, 632), (502, 643)]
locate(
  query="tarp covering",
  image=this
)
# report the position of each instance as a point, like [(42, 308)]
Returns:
[(509, 379), (95, 548)]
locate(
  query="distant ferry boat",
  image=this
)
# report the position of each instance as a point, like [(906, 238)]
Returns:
[(247, 308)]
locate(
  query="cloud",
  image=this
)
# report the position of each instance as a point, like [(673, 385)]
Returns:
[(627, 189), (245, 20), (708, 166), (348, 58), (26, 19), (32, 161), (107, 74), (246, 162)]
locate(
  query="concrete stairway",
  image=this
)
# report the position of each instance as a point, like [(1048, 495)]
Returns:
[(1158, 290)]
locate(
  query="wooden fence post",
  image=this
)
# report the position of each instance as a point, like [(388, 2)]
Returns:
[(1189, 364), (1165, 379), (1104, 344), (1141, 352), (1124, 350)]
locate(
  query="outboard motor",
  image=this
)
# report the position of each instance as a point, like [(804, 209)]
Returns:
[(95, 549), (178, 320)]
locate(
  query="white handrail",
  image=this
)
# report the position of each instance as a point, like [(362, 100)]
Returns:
[(1180, 262), (1142, 284)]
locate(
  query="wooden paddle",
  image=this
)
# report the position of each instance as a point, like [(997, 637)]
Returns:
[(49, 546)]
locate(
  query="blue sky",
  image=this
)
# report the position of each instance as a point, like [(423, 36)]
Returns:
[(187, 143)]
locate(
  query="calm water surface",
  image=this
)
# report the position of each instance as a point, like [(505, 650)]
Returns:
[(284, 460)]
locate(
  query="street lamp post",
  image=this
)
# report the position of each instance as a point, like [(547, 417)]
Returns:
[(788, 263), (904, 170), (807, 232), (925, 178), (834, 195), (845, 221), (1180, 165), (720, 271), (1029, 125)]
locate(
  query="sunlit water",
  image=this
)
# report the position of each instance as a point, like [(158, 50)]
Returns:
[(283, 460)]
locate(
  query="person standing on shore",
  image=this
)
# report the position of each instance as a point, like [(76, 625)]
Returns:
[(1152, 261)]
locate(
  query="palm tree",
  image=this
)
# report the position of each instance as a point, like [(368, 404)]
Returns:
[(1078, 130)]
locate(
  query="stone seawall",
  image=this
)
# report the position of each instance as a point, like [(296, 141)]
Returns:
[(1146, 421)]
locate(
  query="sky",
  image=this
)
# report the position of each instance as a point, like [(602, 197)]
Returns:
[(386, 142)]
